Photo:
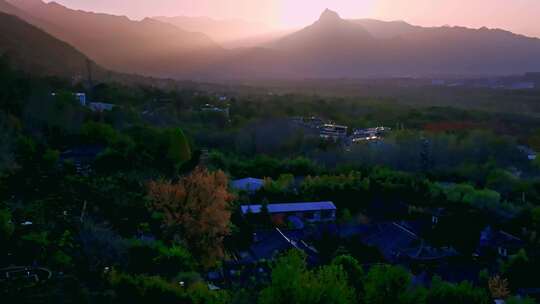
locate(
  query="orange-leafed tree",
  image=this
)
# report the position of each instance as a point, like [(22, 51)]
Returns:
[(499, 287), (196, 208)]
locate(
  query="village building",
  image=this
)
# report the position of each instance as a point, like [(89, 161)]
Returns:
[(81, 98), (248, 184), (100, 106), (369, 134), (333, 132), (498, 242), (311, 212), (313, 122), (399, 244), (214, 109), (267, 245)]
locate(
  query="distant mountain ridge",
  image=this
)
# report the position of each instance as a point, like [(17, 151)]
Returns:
[(223, 32), (386, 29), (147, 47), (331, 47), (335, 48), (329, 29), (30, 49)]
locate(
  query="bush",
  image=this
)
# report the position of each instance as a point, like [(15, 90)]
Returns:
[(150, 289), (386, 284), (292, 282), (464, 293), (155, 258), (6, 225)]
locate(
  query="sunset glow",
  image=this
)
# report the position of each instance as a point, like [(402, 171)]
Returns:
[(521, 16)]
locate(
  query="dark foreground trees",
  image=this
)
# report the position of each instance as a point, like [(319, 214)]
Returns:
[(292, 282), (343, 281)]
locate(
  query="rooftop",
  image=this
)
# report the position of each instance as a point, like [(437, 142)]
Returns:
[(290, 207), (248, 179), (248, 184)]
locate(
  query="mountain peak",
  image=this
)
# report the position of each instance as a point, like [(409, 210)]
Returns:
[(329, 16), (27, 3)]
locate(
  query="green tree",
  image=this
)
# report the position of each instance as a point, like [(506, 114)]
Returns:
[(153, 289), (292, 282), (288, 276), (154, 258), (482, 198), (6, 225), (535, 218), (354, 271), (178, 151), (386, 284), (99, 133), (502, 181), (517, 270), (7, 138), (519, 300), (456, 193), (447, 293), (51, 157)]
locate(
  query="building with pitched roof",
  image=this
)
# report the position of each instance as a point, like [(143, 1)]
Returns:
[(306, 211), (397, 244)]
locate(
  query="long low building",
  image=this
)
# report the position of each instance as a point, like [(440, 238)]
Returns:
[(308, 211)]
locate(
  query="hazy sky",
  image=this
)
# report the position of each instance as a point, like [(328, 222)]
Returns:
[(521, 16)]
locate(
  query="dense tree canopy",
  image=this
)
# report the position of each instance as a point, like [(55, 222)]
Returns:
[(292, 282), (196, 209)]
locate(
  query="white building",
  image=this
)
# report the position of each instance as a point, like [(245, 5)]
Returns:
[(81, 97), (333, 132)]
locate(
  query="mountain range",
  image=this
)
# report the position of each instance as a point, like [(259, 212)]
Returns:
[(227, 33), (31, 49), (146, 47), (331, 47)]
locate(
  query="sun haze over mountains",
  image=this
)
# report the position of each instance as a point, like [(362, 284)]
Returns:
[(516, 16), (330, 46)]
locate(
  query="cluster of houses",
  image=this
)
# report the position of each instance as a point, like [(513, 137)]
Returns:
[(333, 132), (82, 99), (330, 131), (529, 81), (215, 109), (220, 106), (324, 129), (93, 106), (299, 225), (369, 134)]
